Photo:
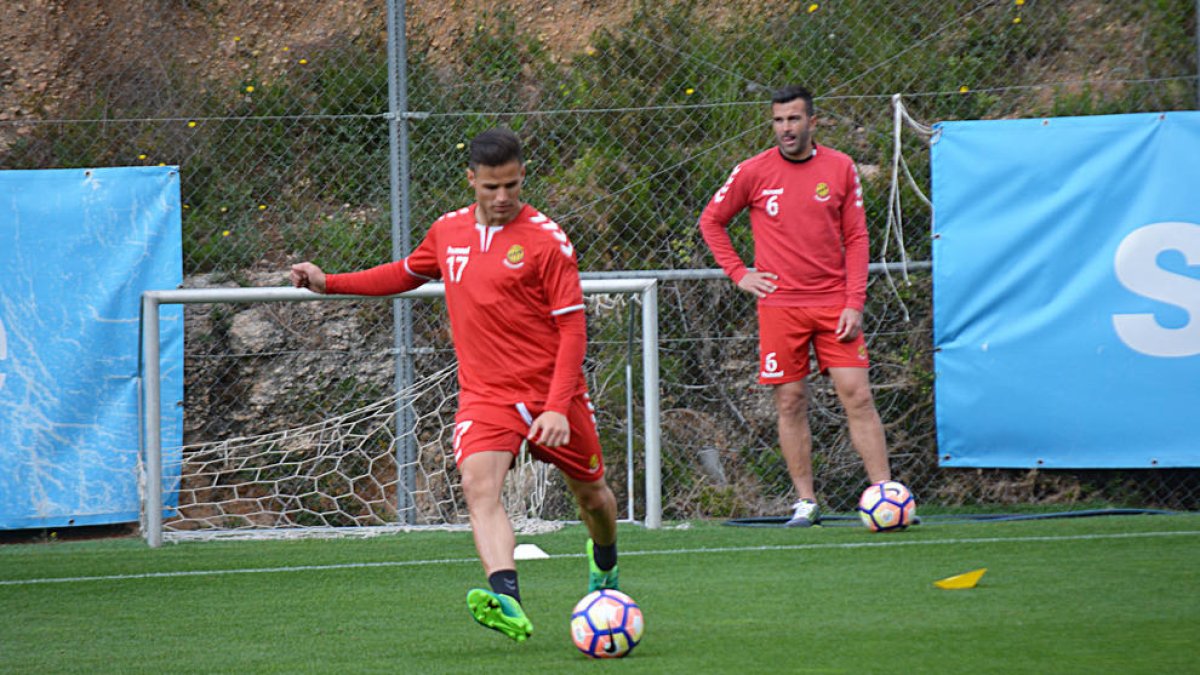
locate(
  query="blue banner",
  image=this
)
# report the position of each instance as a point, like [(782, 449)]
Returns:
[(78, 247), (1066, 269)]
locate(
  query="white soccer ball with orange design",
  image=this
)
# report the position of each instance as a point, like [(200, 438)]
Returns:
[(887, 506), (607, 624)]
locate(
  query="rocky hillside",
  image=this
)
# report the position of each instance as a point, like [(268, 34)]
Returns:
[(53, 48)]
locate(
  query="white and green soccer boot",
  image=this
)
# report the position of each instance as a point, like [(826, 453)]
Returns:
[(805, 513)]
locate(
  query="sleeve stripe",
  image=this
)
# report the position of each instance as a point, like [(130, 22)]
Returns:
[(568, 310), (419, 276)]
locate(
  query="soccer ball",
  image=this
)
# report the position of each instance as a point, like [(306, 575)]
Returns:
[(606, 624), (887, 506)]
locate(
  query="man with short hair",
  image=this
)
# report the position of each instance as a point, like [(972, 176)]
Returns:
[(810, 278), (517, 320)]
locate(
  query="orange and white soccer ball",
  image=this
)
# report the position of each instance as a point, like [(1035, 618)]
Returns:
[(887, 506), (607, 624)]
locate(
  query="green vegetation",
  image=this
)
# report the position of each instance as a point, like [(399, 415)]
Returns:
[(672, 94)]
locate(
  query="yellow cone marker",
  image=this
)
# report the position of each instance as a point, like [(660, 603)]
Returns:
[(961, 581)]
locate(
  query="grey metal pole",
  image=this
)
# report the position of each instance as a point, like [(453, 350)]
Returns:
[(406, 450), (717, 273), (650, 393), (152, 439), (629, 482), (433, 289)]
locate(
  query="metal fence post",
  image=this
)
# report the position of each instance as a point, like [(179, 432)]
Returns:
[(401, 245)]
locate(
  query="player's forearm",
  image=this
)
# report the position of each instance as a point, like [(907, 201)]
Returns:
[(856, 286), (387, 279), (857, 256), (568, 362)]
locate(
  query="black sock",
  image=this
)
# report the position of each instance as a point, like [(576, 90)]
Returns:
[(505, 581), (605, 556)]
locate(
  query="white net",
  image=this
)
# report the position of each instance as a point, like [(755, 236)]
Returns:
[(342, 476), (319, 445)]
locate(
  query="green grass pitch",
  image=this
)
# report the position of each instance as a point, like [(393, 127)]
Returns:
[(1108, 594)]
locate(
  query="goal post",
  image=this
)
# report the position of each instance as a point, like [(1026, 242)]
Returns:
[(151, 478)]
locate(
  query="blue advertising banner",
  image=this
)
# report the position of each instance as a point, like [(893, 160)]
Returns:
[(78, 247), (1066, 269)]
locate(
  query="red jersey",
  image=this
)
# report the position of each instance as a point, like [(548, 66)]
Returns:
[(513, 294), (809, 227)]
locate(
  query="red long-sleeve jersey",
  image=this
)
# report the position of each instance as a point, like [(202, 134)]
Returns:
[(514, 299), (809, 227)]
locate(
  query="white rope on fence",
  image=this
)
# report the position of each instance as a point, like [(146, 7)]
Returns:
[(894, 227)]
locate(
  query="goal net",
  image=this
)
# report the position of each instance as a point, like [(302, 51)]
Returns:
[(385, 463)]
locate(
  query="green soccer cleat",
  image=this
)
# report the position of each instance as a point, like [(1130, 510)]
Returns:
[(598, 579), (500, 613)]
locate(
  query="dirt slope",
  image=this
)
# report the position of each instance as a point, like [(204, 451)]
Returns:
[(53, 48)]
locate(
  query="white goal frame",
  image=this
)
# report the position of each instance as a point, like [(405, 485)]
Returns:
[(149, 380)]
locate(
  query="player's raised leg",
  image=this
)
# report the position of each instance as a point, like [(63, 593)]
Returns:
[(482, 482), (499, 608)]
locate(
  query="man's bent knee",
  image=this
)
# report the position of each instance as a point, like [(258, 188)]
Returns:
[(594, 496)]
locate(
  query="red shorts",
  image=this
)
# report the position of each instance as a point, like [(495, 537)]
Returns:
[(784, 335), (482, 427)]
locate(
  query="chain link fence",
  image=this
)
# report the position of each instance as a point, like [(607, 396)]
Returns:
[(278, 116)]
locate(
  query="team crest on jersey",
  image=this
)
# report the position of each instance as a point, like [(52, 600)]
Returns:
[(594, 463), (515, 258), (822, 192), (862, 352)]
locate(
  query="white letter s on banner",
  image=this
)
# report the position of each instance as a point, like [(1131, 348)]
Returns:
[(1136, 264)]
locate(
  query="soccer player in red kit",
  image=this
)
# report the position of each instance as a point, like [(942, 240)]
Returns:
[(810, 278), (517, 319)]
